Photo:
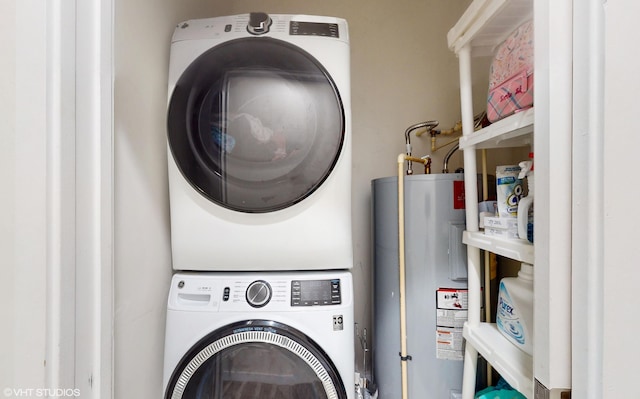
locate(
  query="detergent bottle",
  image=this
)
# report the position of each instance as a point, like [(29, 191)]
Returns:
[(514, 317)]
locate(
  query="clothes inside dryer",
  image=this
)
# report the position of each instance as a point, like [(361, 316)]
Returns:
[(252, 132)]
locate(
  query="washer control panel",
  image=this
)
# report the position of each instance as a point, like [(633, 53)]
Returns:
[(257, 292), (315, 292)]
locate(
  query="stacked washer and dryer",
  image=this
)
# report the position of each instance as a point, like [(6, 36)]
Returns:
[(259, 139)]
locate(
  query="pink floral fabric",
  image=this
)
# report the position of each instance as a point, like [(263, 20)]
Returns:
[(511, 75), (513, 56)]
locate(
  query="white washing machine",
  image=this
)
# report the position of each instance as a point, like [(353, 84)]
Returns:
[(260, 336), (259, 138)]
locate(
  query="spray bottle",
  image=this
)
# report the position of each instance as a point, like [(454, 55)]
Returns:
[(525, 205)]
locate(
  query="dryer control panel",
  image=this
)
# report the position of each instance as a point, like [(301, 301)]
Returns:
[(315, 292), (279, 26), (313, 29)]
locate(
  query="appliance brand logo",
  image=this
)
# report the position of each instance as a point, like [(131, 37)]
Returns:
[(505, 307), (458, 194), (519, 90)]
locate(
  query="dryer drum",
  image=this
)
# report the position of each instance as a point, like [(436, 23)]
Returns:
[(256, 359), (255, 124)]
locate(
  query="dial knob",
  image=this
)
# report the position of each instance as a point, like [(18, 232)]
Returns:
[(258, 293), (259, 23)]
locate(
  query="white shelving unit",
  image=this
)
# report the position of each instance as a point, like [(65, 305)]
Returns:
[(484, 25), (514, 131), (514, 365), (515, 249)]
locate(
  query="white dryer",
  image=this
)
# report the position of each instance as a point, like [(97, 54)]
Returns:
[(259, 138), (260, 336)]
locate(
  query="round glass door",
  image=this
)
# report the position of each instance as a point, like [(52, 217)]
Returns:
[(255, 124), (256, 360)]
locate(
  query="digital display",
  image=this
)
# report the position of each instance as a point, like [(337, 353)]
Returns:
[(315, 292), (313, 29)]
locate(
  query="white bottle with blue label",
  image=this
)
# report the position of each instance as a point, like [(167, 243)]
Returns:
[(515, 308)]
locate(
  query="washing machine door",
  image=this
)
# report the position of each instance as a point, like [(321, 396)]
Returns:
[(256, 359), (255, 124)]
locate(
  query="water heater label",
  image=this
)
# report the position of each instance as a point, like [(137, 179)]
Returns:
[(452, 298), (449, 343), (451, 313), (458, 194), (451, 318)]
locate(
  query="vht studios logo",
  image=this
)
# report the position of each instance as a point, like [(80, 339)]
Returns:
[(41, 393)]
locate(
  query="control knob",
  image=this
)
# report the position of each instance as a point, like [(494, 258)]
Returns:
[(259, 23), (258, 293)]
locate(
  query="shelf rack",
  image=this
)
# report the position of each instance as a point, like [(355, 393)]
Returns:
[(483, 26), (487, 23), (514, 365), (513, 131), (519, 250)]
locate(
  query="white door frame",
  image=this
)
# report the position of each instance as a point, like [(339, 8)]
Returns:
[(79, 201), (588, 199), (94, 197)]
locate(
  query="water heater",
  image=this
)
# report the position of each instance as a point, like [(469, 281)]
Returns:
[(436, 285)]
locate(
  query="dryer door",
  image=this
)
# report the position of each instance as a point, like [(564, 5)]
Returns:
[(255, 124), (256, 359)]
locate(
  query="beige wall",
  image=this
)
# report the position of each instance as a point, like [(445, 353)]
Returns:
[(402, 73), (143, 30)]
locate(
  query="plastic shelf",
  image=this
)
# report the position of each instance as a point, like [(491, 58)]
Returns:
[(520, 250), (487, 23), (513, 131), (514, 365), (483, 26)]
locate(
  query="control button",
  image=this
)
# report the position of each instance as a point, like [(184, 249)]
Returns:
[(258, 293), (227, 28), (225, 295)]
